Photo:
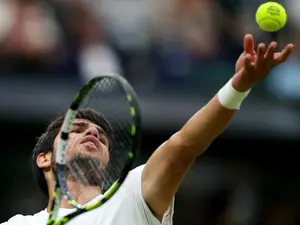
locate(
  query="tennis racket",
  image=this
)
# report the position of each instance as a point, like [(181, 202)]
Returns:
[(113, 96)]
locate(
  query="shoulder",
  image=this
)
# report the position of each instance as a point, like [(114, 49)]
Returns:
[(38, 218), (133, 188), (134, 177), (136, 171)]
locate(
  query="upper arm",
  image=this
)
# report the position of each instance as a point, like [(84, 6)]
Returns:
[(163, 173)]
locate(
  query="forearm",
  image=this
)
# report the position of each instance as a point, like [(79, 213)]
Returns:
[(199, 132), (213, 118)]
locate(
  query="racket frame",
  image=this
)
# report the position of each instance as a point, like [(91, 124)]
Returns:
[(60, 185)]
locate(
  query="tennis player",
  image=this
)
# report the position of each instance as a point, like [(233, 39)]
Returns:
[(147, 195)]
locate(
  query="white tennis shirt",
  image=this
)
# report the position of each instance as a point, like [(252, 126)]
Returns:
[(126, 207)]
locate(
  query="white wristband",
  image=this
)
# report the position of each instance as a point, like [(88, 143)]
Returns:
[(231, 98)]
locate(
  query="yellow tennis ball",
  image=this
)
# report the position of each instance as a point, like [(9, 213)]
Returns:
[(271, 16)]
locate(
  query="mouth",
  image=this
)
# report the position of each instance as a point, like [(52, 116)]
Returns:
[(92, 141)]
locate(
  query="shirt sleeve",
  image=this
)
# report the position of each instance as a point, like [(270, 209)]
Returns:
[(133, 184), (15, 220)]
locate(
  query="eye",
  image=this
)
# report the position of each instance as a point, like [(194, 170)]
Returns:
[(75, 131), (103, 140)]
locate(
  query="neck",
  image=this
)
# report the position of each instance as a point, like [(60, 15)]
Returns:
[(80, 193)]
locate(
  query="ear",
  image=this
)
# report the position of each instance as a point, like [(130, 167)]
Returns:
[(44, 160)]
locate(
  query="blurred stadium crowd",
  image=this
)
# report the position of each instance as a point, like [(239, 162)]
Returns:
[(186, 44), (160, 46)]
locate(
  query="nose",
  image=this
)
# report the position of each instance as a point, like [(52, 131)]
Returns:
[(93, 131)]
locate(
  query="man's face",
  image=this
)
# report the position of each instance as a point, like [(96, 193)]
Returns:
[(86, 139), (87, 148)]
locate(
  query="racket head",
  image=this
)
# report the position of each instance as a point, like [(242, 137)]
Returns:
[(115, 98)]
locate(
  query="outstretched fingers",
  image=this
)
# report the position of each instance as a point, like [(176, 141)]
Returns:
[(249, 44), (269, 56), (282, 56), (248, 62), (260, 55)]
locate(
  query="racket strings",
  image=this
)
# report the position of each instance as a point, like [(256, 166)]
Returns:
[(107, 97)]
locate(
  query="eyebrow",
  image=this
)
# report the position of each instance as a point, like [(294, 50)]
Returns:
[(85, 124)]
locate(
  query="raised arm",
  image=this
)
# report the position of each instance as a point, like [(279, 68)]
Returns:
[(168, 165)]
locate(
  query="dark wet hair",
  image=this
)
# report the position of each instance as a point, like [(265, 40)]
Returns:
[(46, 140)]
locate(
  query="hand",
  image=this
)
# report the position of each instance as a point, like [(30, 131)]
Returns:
[(252, 66)]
